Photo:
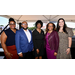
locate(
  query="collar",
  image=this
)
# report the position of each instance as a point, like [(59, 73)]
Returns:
[(26, 31)]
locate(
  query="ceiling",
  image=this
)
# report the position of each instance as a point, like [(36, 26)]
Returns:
[(44, 18)]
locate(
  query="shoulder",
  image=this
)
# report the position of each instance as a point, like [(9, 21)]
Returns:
[(68, 29), (70, 32), (34, 31), (29, 30), (18, 31), (42, 30), (7, 30), (55, 32)]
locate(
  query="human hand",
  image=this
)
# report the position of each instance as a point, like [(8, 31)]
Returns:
[(9, 55), (20, 55), (33, 49), (68, 50), (37, 51), (55, 54)]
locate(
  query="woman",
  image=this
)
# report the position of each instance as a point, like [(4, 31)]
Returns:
[(51, 41), (65, 37), (38, 40), (8, 41)]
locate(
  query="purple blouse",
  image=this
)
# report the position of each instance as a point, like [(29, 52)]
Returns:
[(53, 40)]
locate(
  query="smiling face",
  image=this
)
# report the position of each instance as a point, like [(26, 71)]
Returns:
[(12, 24), (24, 25), (39, 25), (61, 23), (50, 27)]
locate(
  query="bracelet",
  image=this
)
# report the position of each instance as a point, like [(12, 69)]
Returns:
[(6, 53), (69, 47)]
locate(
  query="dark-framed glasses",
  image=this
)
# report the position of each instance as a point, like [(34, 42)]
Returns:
[(24, 24), (12, 24), (50, 26)]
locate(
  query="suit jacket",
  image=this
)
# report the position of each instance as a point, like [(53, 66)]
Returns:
[(53, 40), (21, 42)]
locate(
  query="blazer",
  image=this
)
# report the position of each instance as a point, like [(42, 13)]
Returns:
[(53, 40), (21, 42)]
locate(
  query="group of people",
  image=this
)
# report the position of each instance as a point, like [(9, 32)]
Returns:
[(21, 44)]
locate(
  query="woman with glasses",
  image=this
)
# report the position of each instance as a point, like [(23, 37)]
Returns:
[(8, 40), (51, 41)]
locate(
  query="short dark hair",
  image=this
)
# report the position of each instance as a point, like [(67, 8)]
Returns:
[(11, 19), (38, 21)]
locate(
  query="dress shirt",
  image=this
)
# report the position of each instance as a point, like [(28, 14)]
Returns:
[(28, 36)]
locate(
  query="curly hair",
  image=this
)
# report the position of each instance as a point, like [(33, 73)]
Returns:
[(54, 28), (11, 19), (38, 21)]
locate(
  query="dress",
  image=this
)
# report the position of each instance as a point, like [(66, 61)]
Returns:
[(63, 44), (50, 53), (38, 41), (10, 43)]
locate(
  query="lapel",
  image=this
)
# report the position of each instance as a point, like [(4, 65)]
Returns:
[(51, 34), (23, 33), (31, 35)]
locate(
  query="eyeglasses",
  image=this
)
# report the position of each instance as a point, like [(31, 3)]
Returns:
[(12, 24), (50, 26), (24, 24)]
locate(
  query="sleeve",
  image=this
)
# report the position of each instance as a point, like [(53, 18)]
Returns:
[(57, 42), (17, 42), (34, 40), (45, 41), (43, 32), (70, 32)]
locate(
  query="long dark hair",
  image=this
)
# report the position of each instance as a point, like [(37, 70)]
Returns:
[(64, 28)]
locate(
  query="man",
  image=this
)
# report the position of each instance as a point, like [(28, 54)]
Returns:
[(24, 43)]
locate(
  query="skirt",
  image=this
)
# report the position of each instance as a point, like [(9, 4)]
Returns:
[(50, 54), (13, 51)]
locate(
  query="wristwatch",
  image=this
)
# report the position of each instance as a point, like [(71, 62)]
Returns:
[(69, 47)]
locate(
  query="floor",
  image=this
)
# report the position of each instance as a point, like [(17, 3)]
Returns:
[(44, 57)]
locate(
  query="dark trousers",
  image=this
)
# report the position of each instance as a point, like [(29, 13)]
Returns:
[(27, 55)]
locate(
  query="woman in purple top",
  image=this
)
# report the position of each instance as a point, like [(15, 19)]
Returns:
[(51, 41)]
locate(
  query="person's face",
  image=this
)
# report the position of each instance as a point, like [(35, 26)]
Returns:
[(12, 24), (24, 25), (39, 25), (61, 23), (50, 27)]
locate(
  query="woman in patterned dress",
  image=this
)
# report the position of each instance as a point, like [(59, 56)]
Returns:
[(65, 40)]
